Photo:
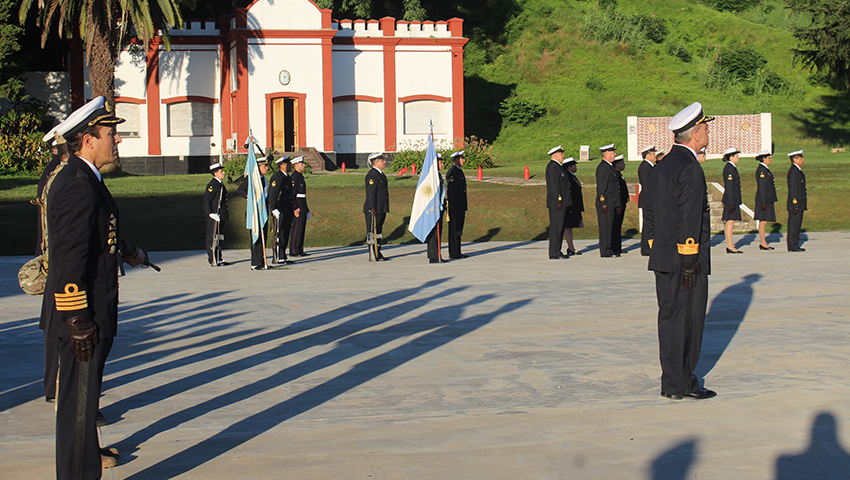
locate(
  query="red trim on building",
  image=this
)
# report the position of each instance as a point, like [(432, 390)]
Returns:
[(289, 34), (302, 117), (152, 94), (226, 99), (390, 105), (210, 40), (457, 92), (77, 64), (242, 111), (189, 98), (327, 95), (327, 18), (456, 27), (359, 98), (413, 98), (401, 41), (137, 101)]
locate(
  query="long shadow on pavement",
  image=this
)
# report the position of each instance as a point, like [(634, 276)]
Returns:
[(824, 459), (674, 463)]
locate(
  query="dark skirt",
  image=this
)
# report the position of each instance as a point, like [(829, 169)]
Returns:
[(768, 215), (572, 219), (736, 215)]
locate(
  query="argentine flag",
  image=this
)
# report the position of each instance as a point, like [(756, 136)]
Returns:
[(428, 200), (256, 214)]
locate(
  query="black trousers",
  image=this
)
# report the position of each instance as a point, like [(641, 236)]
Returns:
[(209, 242), (299, 224), (77, 448), (681, 320), (258, 249), (456, 221), (606, 226), (285, 222), (433, 239), (644, 242), (795, 224), (379, 228), (617, 231), (556, 230), (51, 365)]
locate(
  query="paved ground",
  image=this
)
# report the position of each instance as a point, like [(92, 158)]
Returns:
[(505, 365)]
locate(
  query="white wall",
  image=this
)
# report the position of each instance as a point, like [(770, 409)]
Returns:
[(284, 15)]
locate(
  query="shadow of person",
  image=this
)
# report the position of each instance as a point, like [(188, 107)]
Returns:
[(489, 235), (724, 316), (824, 459), (747, 239), (674, 463)]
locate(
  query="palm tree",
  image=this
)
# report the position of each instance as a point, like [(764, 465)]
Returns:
[(105, 26)]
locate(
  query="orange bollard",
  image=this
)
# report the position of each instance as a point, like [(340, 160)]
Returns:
[(413, 169), (343, 167), (401, 172), (480, 173), (525, 175)]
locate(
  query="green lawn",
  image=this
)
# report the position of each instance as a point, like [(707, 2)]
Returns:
[(165, 212)]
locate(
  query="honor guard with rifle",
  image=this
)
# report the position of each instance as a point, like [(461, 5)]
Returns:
[(456, 196), (434, 240), (301, 212), (280, 203), (377, 205), (215, 207)]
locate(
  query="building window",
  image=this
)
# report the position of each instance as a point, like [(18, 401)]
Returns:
[(420, 114), (130, 112), (352, 117), (190, 119)]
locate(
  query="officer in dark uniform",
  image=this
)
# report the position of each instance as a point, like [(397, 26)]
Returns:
[(80, 304), (620, 214), (301, 212), (377, 203), (215, 207), (765, 196), (433, 239), (558, 199), (677, 212), (796, 200), (644, 172), (258, 248), (456, 191), (572, 219), (607, 202), (280, 204), (731, 196)]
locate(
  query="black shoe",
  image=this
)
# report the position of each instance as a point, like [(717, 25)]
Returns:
[(573, 252), (729, 250), (798, 250), (556, 258), (50, 399), (382, 258), (101, 420), (701, 394), (671, 396), (762, 247), (258, 267)]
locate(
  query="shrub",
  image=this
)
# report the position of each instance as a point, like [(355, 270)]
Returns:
[(21, 145), (593, 83), (733, 5), (680, 51), (519, 111), (605, 26), (742, 63), (234, 165), (476, 151), (652, 27)]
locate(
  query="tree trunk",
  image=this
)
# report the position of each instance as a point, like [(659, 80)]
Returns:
[(102, 53)]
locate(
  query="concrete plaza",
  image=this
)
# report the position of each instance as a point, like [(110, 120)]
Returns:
[(505, 365)]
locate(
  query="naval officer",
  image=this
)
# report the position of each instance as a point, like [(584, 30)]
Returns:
[(796, 200), (558, 199), (607, 201)]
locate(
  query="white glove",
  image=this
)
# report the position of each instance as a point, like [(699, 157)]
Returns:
[(215, 217), (276, 213)]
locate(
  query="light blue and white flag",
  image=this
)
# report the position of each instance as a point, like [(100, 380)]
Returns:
[(427, 202), (256, 214)]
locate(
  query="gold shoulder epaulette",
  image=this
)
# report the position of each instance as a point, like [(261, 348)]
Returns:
[(689, 247), (72, 299)]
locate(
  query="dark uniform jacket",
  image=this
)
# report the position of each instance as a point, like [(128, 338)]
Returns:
[(765, 187), (456, 189), (299, 187), (796, 189), (377, 194), (731, 185), (280, 193), (575, 193), (644, 172), (216, 190), (624, 190), (678, 210), (557, 186), (82, 220), (607, 185)]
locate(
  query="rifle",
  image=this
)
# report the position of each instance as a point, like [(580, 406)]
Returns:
[(218, 237), (276, 245), (371, 240)]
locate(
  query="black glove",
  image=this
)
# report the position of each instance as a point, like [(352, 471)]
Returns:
[(618, 210), (764, 207), (732, 208), (795, 211), (83, 337), (689, 274), (558, 207), (374, 212), (604, 209)]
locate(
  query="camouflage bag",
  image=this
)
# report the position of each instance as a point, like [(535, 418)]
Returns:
[(33, 275)]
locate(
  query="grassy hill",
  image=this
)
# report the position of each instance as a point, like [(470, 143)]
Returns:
[(565, 56)]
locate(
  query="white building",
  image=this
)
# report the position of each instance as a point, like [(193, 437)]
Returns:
[(294, 76)]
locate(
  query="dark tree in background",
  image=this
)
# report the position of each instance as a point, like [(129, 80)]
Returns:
[(824, 45), (12, 56)]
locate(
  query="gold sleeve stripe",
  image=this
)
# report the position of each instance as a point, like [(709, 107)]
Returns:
[(72, 299), (689, 247), (650, 243)]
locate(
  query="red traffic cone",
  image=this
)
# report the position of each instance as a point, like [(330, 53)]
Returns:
[(480, 173), (401, 172), (343, 167), (525, 175), (413, 169)]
